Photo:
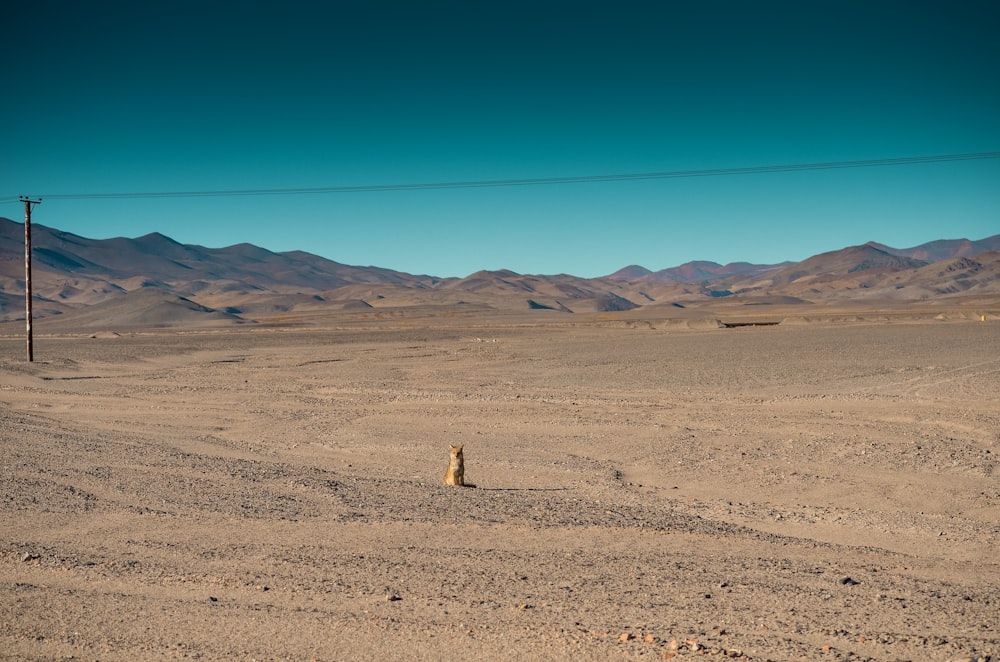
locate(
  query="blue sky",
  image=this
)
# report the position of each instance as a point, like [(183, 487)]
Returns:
[(113, 97)]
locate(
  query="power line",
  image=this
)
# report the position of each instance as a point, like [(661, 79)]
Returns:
[(539, 181)]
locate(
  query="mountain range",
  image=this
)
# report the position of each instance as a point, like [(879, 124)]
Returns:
[(155, 281)]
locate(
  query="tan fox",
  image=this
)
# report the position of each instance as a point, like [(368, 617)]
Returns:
[(456, 468)]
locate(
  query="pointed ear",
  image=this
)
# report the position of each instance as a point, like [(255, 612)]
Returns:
[(457, 449)]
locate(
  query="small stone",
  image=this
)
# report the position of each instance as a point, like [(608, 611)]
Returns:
[(650, 639), (625, 636), (212, 598), (392, 597), (28, 556), (847, 581)]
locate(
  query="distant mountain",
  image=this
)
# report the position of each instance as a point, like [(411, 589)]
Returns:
[(866, 272), (150, 308), (159, 258), (154, 281), (70, 270), (631, 272), (690, 272), (842, 262), (703, 270), (562, 292), (979, 274), (943, 249)]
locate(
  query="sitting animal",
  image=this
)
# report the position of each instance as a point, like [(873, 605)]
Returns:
[(456, 468)]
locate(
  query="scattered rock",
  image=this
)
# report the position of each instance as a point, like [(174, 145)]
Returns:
[(392, 597), (28, 556), (847, 581)]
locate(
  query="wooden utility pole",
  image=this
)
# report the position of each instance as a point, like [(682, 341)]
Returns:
[(27, 268)]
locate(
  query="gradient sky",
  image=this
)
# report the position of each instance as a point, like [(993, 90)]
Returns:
[(114, 97)]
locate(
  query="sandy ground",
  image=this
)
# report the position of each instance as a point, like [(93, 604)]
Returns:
[(820, 491)]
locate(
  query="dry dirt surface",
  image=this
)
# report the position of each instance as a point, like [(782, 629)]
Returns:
[(821, 491)]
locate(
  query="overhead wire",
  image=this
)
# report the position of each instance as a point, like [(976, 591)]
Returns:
[(531, 181)]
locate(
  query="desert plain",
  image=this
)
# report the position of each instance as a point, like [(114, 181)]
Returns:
[(819, 490)]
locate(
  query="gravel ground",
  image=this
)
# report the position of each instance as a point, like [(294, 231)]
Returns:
[(821, 491)]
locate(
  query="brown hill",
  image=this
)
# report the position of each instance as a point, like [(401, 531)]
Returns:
[(703, 270), (944, 249), (692, 272), (632, 272), (893, 282), (836, 264), (159, 258), (144, 308), (70, 271), (154, 280), (962, 275), (506, 289)]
